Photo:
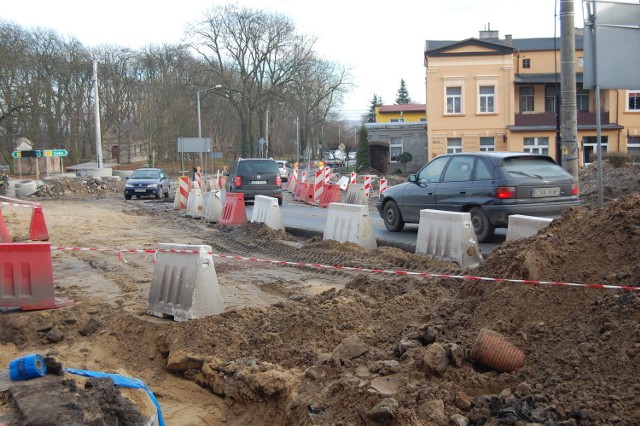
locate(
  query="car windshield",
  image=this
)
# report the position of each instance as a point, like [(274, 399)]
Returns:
[(256, 167), (145, 174), (532, 167)]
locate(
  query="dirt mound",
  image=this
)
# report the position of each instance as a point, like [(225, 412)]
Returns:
[(314, 345)]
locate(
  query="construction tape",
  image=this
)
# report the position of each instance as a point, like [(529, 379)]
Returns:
[(358, 269), (27, 367)]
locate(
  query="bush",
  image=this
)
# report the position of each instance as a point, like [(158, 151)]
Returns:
[(617, 159)]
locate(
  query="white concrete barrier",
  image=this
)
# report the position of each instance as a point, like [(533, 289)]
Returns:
[(521, 226), (213, 206), (185, 284), (267, 211), (343, 183), (355, 195), (349, 223), (448, 236), (195, 203)]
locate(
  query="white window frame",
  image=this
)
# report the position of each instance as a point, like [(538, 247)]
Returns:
[(394, 144), (453, 98), (486, 101), (531, 96), (633, 145), (635, 94), (454, 145), (487, 144), (536, 145)]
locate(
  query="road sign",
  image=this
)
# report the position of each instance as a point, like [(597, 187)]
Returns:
[(55, 153), (342, 147), (26, 154)]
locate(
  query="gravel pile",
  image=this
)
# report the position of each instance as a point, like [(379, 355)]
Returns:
[(82, 186)]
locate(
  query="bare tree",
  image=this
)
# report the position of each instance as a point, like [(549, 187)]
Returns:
[(254, 56)]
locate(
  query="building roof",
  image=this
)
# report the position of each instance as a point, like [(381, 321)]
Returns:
[(403, 108), (522, 44)]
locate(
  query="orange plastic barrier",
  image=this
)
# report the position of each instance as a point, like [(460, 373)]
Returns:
[(300, 191), (27, 277), (233, 210), (331, 194)]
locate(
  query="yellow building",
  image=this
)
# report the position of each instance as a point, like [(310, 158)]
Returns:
[(491, 94), (401, 113)]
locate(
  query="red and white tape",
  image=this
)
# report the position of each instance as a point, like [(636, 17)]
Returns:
[(358, 269)]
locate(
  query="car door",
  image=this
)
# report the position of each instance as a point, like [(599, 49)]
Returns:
[(456, 186), (421, 193)]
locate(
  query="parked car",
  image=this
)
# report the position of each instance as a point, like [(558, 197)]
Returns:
[(491, 186), (255, 176), (147, 181), (283, 168)]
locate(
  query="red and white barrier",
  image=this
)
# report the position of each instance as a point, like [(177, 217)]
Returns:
[(367, 185), (353, 178), (304, 176), (318, 185), (182, 196), (327, 175), (383, 186)]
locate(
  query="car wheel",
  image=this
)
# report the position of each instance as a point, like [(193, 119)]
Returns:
[(481, 225), (127, 196), (392, 217), (158, 192), (166, 194), (138, 196), (280, 200)]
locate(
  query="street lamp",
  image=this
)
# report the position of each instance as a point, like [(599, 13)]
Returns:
[(217, 86)]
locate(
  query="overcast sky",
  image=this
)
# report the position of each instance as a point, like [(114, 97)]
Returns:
[(382, 42)]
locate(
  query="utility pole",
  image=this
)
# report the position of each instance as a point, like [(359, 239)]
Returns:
[(97, 115), (568, 109)]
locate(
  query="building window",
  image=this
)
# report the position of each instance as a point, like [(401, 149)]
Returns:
[(634, 100), (526, 98), (487, 144), (454, 145), (395, 148), (633, 145), (526, 63), (454, 100), (487, 99), (551, 98), (536, 145), (582, 99)]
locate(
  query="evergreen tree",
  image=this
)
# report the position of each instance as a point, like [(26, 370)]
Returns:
[(375, 102), (363, 160), (402, 97)]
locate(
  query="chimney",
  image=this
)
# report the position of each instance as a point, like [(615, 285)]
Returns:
[(508, 39), (487, 34)]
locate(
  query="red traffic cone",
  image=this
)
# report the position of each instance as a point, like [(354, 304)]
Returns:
[(38, 228), (4, 232)]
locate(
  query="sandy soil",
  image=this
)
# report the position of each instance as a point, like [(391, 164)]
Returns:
[(303, 345)]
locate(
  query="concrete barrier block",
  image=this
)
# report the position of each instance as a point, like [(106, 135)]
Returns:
[(521, 226), (448, 236), (195, 204), (343, 183), (350, 223), (355, 195), (267, 211), (213, 206), (185, 284)]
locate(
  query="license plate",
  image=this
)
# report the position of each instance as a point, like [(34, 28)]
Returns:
[(546, 192), (258, 182), (141, 190)]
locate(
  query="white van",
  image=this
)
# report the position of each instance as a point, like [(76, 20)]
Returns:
[(282, 168)]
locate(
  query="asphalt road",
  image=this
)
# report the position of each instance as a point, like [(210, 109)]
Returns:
[(304, 219)]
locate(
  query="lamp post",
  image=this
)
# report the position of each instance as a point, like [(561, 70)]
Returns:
[(217, 86)]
